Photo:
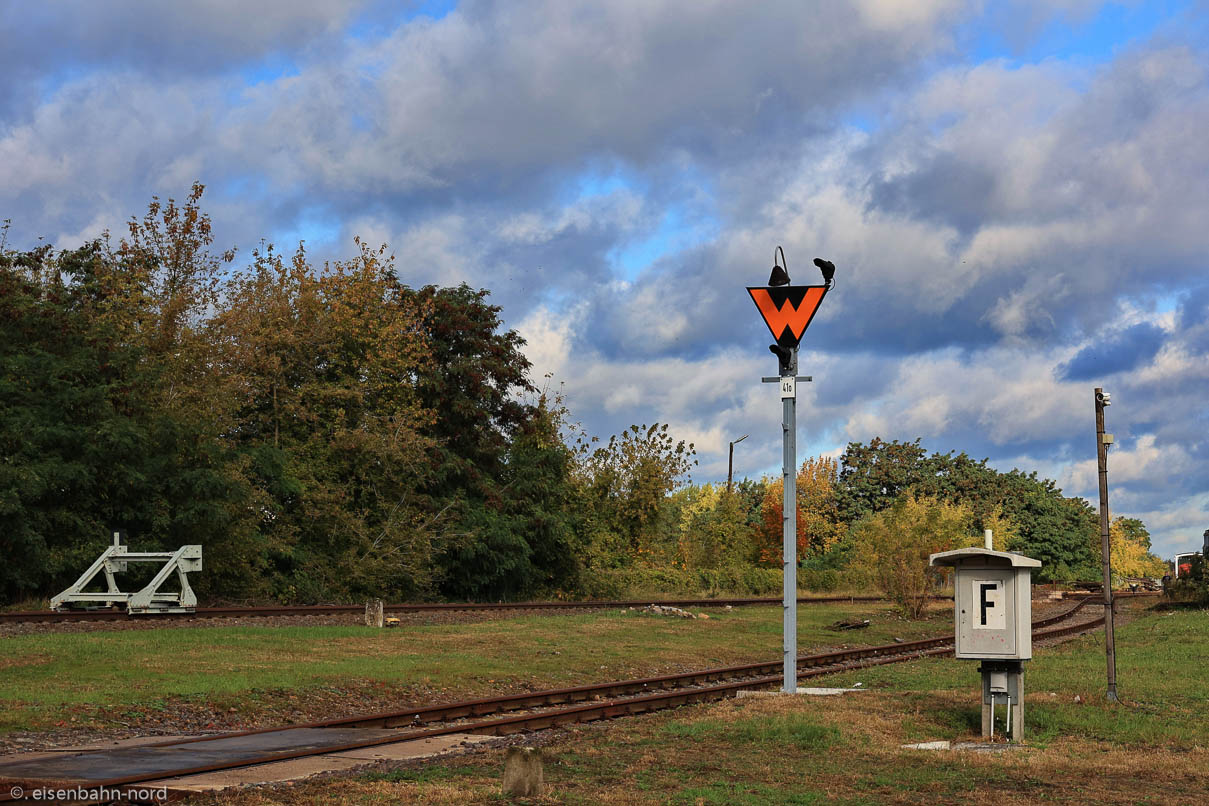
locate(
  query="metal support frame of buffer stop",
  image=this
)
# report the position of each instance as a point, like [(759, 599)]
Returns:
[(788, 311), (149, 599)]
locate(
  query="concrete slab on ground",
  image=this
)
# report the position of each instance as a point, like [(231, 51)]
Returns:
[(135, 741), (974, 747), (106, 744), (299, 768), (420, 748), (280, 771), (988, 747)]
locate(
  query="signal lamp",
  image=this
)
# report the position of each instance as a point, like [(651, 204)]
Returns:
[(779, 275)]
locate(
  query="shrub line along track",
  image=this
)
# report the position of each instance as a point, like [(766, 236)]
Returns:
[(181, 757), (28, 616)]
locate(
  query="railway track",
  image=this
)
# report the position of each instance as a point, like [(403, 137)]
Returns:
[(154, 764), (36, 616), (53, 616)]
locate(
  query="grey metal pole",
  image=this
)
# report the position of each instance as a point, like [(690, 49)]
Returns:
[(730, 469), (1110, 640), (789, 549)]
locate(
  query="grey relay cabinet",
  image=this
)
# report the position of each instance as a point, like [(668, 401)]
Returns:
[(993, 612), (992, 602)]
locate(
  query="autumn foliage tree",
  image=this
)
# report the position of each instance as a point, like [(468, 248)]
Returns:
[(623, 486), (1129, 543), (92, 433), (892, 546), (818, 523), (712, 530), (1047, 525), (316, 369), (324, 431)]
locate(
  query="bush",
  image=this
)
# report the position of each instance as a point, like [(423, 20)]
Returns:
[(824, 573), (1192, 589), (634, 583), (637, 582), (825, 580), (738, 580), (762, 581), (893, 546)]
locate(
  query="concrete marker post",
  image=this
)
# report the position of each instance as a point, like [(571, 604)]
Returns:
[(375, 613), (524, 772)]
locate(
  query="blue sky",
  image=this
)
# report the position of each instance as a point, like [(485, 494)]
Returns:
[(1090, 35), (1014, 194)]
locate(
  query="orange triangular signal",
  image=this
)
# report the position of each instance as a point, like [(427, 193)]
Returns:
[(787, 309)]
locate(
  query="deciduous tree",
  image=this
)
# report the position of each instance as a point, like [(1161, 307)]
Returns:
[(1129, 543), (893, 546), (320, 369), (818, 521), (1057, 530), (86, 446), (624, 484)]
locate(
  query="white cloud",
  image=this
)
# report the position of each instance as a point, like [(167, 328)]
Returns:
[(548, 339), (994, 219)]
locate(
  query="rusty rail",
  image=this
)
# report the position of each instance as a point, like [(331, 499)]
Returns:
[(34, 616)]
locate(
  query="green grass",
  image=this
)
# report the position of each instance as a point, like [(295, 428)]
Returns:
[(690, 760), (1162, 660), (48, 678)]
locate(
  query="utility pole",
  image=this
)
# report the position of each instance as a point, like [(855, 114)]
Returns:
[(730, 467), (1103, 440)]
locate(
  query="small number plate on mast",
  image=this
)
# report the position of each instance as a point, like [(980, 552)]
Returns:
[(788, 387)]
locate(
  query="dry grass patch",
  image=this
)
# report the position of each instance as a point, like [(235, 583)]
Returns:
[(18, 661)]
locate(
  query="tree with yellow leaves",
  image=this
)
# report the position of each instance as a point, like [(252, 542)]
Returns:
[(891, 547), (1130, 549)]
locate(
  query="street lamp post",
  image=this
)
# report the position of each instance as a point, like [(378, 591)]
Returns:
[(1103, 440), (730, 467)]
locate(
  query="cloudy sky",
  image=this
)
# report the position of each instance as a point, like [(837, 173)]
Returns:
[(1016, 195)]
